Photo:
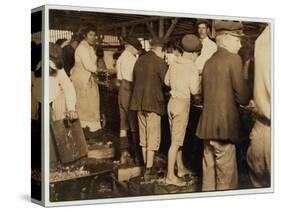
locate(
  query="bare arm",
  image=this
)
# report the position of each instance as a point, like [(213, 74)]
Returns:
[(167, 77), (194, 81)]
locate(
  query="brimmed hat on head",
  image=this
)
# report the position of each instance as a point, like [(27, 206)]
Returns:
[(233, 28), (133, 41), (158, 42), (191, 43), (202, 21)]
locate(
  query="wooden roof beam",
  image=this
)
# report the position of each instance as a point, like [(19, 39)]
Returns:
[(130, 23), (171, 28)]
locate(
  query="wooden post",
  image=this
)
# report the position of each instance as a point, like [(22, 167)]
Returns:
[(161, 28), (123, 31), (132, 30), (213, 30), (150, 29)]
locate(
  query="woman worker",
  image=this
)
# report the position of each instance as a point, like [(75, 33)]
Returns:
[(87, 91)]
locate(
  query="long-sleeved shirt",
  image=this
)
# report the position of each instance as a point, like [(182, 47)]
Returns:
[(183, 78), (209, 47), (262, 88), (85, 62), (125, 66)]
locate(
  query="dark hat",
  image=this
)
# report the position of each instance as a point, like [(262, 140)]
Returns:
[(133, 41), (203, 21), (233, 28), (158, 42), (55, 51), (191, 43), (55, 54)]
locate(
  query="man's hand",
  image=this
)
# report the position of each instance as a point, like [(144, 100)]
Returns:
[(72, 115), (251, 106)]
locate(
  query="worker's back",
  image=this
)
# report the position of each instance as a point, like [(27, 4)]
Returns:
[(149, 73)]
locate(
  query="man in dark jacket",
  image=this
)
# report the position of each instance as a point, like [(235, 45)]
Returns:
[(223, 90), (148, 100), (68, 52)]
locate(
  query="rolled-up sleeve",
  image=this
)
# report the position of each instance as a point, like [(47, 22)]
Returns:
[(194, 81)]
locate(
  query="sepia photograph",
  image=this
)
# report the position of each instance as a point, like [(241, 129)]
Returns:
[(149, 105)]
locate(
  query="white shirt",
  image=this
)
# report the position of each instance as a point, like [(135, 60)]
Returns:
[(209, 47), (262, 88), (57, 84), (183, 78), (170, 57), (125, 66)]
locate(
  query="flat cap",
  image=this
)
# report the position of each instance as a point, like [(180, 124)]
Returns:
[(234, 28), (191, 43), (133, 41)]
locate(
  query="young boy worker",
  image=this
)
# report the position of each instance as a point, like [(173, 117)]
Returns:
[(148, 100), (128, 118), (183, 78)]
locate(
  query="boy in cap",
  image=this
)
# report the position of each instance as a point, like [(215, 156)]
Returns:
[(183, 78), (148, 101), (224, 88), (128, 118)]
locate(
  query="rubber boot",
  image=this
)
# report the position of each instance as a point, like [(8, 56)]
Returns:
[(123, 151)]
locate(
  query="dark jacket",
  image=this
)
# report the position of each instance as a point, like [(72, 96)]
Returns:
[(224, 88), (149, 74), (68, 58)]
